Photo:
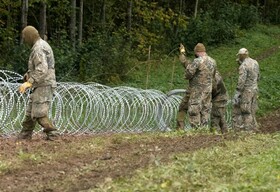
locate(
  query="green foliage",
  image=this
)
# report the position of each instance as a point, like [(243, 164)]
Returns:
[(105, 58), (167, 73), (65, 59), (4, 166), (156, 26), (248, 16), (220, 23), (110, 45), (24, 156), (235, 166)]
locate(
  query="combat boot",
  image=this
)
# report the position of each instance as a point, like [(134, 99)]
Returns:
[(48, 127), (224, 130), (50, 136), (25, 135), (49, 133), (180, 126)]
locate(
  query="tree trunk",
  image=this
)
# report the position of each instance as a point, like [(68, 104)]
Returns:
[(181, 7), (24, 14), (43, 20), (195, 9), (129, 15), (73, 23), (81, 22), (103, 14)]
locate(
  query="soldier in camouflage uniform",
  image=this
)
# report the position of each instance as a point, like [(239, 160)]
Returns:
[(219, 102), (183, 107), (200, 73), (40, 78), (245, 98)]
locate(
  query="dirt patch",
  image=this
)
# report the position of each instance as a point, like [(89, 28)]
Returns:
[(66, 170), (270, 123), (75, 163), (267, 53)]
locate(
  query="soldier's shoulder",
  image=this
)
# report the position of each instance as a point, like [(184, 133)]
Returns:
[(212, 60), (42, 45)]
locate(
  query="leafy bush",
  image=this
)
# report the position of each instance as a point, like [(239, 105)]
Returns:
[(104, 58), (248, 16), (220, 23)]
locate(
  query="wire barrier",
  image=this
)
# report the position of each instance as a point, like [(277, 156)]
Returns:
[(92, 108)]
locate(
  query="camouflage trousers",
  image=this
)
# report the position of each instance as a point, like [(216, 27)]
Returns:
[(183, 110), (37, 110), (244, 113), (199, 108), (218, 116)]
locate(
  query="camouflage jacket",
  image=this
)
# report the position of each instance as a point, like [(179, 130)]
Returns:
[(219, 91), (248, 75), (41, 63), (201, 73)]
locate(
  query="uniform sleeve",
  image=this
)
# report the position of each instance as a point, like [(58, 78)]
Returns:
[(40, 67), (184, 61), (242, 78), (191, 69)]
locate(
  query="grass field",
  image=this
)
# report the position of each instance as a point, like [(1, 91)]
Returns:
[(251, 163)]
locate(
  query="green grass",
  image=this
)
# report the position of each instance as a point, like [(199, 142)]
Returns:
[(167, 73), (251, 163), (4, 166)]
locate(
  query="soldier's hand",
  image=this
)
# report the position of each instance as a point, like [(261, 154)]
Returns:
[(182, 49), (24, 86)]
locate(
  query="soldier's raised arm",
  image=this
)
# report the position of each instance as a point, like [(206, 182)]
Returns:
[(182, 57)]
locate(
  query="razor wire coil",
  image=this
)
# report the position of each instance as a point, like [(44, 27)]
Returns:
[(91, 108)]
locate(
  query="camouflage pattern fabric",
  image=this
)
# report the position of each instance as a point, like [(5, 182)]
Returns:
[(219, 101), (41, 74), (244, 112), (200, 74), (39, 102), (41, 65), (183, 109)]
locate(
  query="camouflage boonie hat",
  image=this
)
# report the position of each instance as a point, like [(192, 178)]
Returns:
[(242, 51), (199, 48)]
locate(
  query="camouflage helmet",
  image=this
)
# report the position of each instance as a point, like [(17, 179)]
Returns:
[(30, 35), (242, 51), (199, 48)]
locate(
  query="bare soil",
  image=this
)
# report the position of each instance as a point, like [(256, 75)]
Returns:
[(76, 163)]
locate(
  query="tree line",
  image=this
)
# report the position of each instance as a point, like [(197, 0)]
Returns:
[(98, 40)]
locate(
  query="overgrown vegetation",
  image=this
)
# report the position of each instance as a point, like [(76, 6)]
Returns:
[(234, 166), (261, 41), (115, 39)]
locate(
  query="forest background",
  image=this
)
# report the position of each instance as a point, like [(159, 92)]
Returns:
[(105, 41)]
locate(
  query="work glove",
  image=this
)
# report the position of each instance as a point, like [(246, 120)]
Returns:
[(182, 56), (236, 98), (182, 49), (24, 86)]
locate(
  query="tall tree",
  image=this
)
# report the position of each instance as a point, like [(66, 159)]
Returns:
[(73, 23), (81, 22), (195, 9), (103, 13), (43, 20), (24, 14), (129, 15)]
